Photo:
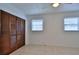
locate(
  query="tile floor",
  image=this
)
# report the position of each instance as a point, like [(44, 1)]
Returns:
[(45, 50)]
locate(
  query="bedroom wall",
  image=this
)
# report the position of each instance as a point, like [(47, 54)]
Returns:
[(54, 33)]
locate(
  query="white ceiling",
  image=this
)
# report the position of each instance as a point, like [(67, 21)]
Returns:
[(42, 8)]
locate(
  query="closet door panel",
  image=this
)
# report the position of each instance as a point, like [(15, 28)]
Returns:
[(20, 32), (12, 24), (12, 27), (0, 35), (22, 27), (13, 42), (23, 31), (5, 44), (20, 40), (0, 23), (5, 23), (5, 32), (18, 26)]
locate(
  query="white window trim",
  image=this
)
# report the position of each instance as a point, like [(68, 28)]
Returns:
[(73, 29), (38, 25)]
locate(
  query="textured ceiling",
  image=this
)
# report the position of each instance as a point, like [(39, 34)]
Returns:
[(43, 8)]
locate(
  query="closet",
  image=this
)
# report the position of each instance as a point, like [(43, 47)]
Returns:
[(12, 32)]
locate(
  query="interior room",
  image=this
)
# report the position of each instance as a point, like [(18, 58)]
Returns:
[(39, 28)]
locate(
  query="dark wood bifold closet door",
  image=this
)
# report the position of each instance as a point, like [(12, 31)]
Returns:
[(0, 35), (20, 32), (8, 32), (12, 27), (18, 22), (0, 23), (23, 31), (5, 33), (12, 32)]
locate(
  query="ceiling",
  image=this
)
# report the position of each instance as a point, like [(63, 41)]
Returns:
[(43, 8)]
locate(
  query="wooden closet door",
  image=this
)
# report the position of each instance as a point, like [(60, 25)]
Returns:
[(12, 27), (0, 35), (8, 33), (12, 33), (20, 32), (12, 24), (23, 31), (22, 26), (0, 23), (5, 33), (18, 26)]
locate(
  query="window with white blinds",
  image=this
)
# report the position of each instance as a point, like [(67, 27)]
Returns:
[(71, 24), (37, 25)]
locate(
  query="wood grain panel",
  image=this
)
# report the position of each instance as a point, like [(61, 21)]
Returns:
[(12, 24), (12, 32), (0, 35), (0, 23), (20, 32), (5, 33), (18, 26)]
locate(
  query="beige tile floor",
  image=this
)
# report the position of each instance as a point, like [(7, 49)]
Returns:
[(45, 50)]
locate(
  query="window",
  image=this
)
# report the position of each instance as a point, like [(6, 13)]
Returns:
[(71, 24), (37, 25)]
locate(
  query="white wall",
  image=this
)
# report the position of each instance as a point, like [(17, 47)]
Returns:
[(15, 11), (54, 33)]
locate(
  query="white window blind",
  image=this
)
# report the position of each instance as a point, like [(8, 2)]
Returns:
[(71, 24), (37, 25)]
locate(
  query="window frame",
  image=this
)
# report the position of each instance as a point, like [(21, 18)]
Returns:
[(71, 25), (38, 30)]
